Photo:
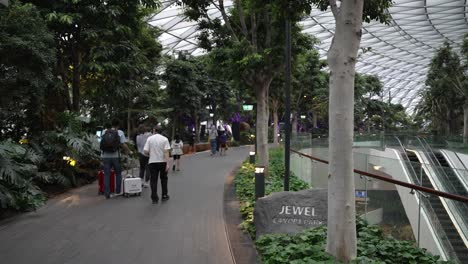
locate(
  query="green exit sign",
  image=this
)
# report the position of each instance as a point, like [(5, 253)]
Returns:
[(247, 107)]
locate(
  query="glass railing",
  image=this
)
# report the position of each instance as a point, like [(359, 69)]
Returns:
[(316, 173)]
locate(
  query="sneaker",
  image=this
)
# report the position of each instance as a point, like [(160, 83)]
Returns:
[(155, 201), (107, 196), (165, 197), (173, 167)]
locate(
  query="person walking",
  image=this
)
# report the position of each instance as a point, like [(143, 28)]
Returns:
[(177, 151), (213, 135), (157, 148), (143, 135), (113, 139), (223, 143)]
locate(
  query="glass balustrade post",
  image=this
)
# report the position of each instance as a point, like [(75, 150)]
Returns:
[(365, 188), (419, 204)]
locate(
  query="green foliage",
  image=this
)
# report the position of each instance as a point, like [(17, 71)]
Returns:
[(245, 186), (246, 138), (308, 246), (18, 167), (442, 100), (305, 247), (39, 163), (27, 58)]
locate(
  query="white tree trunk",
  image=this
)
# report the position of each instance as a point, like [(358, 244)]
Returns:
[(262, 123), (342, 56), (294, 123), (465, 123), (275, 122), (314, 120)]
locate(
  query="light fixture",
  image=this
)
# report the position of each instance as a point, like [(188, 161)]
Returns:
[(303, 116), (252, 157), (259, 182), (259, 169), (211, 114), (377, 167)]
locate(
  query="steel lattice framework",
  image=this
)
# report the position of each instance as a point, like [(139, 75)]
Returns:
[(399, 53)]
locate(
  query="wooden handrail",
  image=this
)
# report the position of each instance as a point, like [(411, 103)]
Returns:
[(456, 197)]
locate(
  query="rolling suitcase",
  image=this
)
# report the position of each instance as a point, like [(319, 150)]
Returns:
[(101, 182), (131, 185)]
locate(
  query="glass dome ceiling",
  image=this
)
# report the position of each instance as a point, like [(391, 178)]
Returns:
[(399, 53)]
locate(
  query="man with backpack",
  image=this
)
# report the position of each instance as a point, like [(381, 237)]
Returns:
[(112, 141)]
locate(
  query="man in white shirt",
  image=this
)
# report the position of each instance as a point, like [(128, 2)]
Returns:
[(157, 148)]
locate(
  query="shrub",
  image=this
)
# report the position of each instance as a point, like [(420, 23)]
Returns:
[(245, 186), (26, 168), (308, 246)]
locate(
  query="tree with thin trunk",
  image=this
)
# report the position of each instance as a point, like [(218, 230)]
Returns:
[(342, 58), (251, 34)]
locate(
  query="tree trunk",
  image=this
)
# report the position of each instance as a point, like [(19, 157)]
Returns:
[(274, 106), (174, 124), (314, 120), (342, 56), (262, 122), (294, 123), (197, 129), (64, 77), (448, 124), (76, 80), (129, 118), (465, 122)]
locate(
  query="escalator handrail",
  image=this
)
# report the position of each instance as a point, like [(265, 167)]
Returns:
[(407, 158), (439, 166), (465, 184), (455, 197)]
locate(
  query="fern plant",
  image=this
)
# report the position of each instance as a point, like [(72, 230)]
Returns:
[(18, 168)]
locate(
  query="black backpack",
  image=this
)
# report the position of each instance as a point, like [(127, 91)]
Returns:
[(110, 141)]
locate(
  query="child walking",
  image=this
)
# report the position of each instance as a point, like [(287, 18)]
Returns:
[(176, 146)]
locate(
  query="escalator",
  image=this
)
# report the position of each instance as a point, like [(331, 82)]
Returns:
[(454, 181), (444, 219)]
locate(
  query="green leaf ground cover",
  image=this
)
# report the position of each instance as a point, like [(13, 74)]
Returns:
[(308, 246)]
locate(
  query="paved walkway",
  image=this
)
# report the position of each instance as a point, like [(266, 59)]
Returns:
[(82, 227)]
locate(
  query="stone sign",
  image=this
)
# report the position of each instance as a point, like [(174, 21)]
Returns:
[(290, 212)]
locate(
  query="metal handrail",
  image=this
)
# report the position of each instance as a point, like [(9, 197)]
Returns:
[(455, 197), (407, 159)]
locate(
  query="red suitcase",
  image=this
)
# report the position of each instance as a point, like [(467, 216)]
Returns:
[(101, 182)]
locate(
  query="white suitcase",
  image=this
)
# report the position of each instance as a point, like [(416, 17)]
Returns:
[(131, 186)]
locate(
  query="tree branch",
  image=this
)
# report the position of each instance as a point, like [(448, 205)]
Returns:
[(242, 18), (334, 8), (226, 19)]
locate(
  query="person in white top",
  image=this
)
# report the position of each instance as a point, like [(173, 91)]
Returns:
[(157, 148), (212, 136), (143, 135), (177, 151)]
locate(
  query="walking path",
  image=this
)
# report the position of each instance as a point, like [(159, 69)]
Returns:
[(82, 227)]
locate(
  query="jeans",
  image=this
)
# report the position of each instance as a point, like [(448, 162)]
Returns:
[(158, 169), (144, 170), (213, 146), (110, 163)]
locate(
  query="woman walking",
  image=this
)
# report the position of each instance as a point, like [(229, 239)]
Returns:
[(177, 151), (143, 135)]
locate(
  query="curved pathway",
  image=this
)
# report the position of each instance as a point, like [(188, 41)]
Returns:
[(82, 227)]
